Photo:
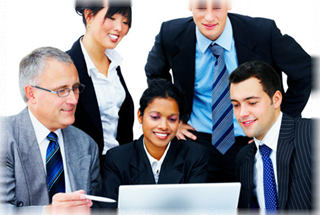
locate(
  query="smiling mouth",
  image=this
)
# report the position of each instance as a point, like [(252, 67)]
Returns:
[(161, 135), (67, 110), (113, 36), (210, 25), (248, 122)]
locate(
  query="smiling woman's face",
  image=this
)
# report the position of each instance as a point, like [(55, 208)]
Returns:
[(159, 123), (108, 32)]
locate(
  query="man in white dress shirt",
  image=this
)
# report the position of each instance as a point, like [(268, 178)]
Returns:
[(255, 94), (50, 86)]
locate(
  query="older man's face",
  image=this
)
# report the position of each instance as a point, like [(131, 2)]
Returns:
[(52, 111)]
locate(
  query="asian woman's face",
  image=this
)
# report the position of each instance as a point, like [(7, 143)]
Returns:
[(160, 123), (108, 32)]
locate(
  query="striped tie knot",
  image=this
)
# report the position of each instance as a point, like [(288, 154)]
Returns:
[(216, 50), (52, 137), (265, 150)]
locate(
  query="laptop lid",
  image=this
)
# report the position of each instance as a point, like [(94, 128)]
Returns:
[(175, 196)]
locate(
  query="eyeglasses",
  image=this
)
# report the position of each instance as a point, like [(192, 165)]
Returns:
[(65, 91)]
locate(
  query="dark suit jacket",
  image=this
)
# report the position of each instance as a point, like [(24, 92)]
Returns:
[(294, 166), (88, 115), (25, 176), (255, 39), (128, 164)]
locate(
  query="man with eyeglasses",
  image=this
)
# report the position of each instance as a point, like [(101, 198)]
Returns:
[(49, 162)]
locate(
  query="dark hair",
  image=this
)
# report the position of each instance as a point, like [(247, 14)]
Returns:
[(268, 77), (115, 6), (161, 88)]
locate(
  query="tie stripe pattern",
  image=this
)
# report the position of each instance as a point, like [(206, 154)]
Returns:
[(54, 166), (269, 183), (222, 110)]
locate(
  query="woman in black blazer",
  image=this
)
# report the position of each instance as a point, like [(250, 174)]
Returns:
[(105, 108), (157, 157)]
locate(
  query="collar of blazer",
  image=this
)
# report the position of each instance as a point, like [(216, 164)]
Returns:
[(170, 171)]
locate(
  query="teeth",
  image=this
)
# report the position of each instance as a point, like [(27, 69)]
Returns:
[(66, 109), (248, 122), (162, 135), (113, 36)]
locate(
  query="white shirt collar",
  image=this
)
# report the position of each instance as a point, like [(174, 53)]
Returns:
[(112, 54), (40, 130), (271, 138), (152, 159)]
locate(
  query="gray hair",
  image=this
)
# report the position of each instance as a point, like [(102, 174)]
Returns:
[(32, 66)]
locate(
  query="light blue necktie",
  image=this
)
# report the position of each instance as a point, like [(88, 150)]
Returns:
[(269, 182), (222, 110), (54, 166)]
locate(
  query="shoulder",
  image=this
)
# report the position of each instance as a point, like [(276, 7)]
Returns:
[(176, 27), (75, 49), (252, 21), (254, 25), (124, 151), (189, 149), (180, 22), (245, 152), (79, 137)]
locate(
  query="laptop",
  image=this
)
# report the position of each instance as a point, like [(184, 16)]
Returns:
[(178, 196)]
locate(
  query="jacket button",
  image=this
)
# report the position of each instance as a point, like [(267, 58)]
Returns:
[(20, 204)]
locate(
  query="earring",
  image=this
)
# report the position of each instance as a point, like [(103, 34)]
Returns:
[(88, 26)]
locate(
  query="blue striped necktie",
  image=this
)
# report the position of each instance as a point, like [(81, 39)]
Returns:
[(269, 182), (222, 110), (54, 166)]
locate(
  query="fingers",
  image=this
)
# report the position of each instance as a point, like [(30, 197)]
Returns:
[(75, 199), (184, 131)]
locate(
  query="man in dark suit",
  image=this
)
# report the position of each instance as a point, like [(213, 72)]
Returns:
[(183, 46), (48, 160), (256, 98)]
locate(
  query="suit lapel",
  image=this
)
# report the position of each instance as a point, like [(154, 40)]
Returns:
[(77, 164), (244, 42), (284, 152), (141, 172), (183, 62), (246, 174), (88, 97), (172, 166), (30, 157)]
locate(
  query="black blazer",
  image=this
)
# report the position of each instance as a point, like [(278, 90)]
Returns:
[(255, 39), (87, 113), (294, 166), (128, 164)]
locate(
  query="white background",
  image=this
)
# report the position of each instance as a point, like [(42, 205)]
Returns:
[(26, 25)]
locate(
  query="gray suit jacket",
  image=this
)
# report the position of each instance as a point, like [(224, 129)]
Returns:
[(25, 174), (294, 166)]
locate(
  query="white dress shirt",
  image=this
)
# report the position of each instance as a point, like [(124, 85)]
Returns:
[(41, 134), (271, 140), (110, 95), (156, 164)]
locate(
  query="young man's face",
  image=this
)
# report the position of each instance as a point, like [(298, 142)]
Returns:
[(253, 108), (210, 16)]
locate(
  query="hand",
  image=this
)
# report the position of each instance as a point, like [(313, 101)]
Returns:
[(70, 202), (183, 131)]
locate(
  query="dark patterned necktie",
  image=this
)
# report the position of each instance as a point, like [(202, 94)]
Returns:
[(54, 166), (269, 182), (222, 110)]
